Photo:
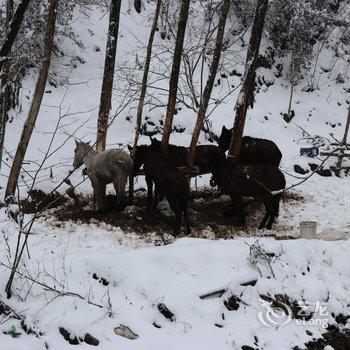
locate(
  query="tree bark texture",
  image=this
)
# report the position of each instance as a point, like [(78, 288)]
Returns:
[(36, 102), (11, 36), (210, 82), (143, 91), (175, 71), (5, 86), (108, 75), (246, 95)]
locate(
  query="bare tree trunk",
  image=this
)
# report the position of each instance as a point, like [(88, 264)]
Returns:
[(291, 91), (347, 126), (108, 75), (143, 92), (246, 95), (344, 143), (174, 78), (36, 102), (210, 82), (5, 87), (15, 25)]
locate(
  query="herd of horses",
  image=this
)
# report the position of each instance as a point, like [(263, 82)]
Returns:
[(256, 174)]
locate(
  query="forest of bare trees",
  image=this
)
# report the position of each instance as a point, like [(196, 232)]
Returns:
[(186, 64)]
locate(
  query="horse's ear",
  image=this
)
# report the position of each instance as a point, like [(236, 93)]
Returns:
[(129, 148), (76, 142), (223, 128)]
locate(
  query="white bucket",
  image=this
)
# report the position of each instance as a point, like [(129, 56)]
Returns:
[(308, 229)]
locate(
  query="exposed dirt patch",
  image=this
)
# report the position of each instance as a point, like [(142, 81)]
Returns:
[(337, 339), (39, 200), (211, 215)]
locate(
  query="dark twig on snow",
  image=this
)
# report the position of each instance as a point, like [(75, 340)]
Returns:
[(46, 287)]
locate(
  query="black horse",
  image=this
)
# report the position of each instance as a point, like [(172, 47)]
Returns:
[(253, 150), (205, 158), (169, 182), (252, 180)]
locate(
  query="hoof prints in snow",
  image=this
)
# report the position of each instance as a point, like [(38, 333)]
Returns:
[(88, 338)]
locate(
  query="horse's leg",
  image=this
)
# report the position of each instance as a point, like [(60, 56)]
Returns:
[(186, 217), (268, 213), (237, 205), (178, 215), (149, 192), (275, 204), (119, 191), (277, 200), (100, 192), (156, 197)]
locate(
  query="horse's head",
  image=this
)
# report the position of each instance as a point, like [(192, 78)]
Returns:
[(225, 138), (140, 155), (154, 142), (81, 149)]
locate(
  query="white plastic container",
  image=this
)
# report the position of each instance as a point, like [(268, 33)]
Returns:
[(308, 229)]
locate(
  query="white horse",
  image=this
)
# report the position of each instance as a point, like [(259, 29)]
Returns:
[(111, 166)]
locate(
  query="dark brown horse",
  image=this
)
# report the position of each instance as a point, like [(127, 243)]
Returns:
[(169, 182), (253, 150), (205, 157), (252, 180)]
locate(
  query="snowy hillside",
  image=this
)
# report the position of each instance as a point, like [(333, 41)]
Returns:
[(82, 277)]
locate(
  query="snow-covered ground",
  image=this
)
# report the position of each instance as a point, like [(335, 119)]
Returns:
[(141, 275), (176, 275)]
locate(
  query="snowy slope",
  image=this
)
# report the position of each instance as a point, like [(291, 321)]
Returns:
[(176, 275)]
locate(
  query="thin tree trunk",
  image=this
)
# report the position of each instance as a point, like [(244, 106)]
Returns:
[(36, 102), (15, 25), (291, 92), (108, 75), (344, 143), (246, 95), (174, 78), (347, 126), (210, 82), (143, 92), (5, 87)]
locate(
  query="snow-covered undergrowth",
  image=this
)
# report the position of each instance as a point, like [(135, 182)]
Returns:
[(127, 285)]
